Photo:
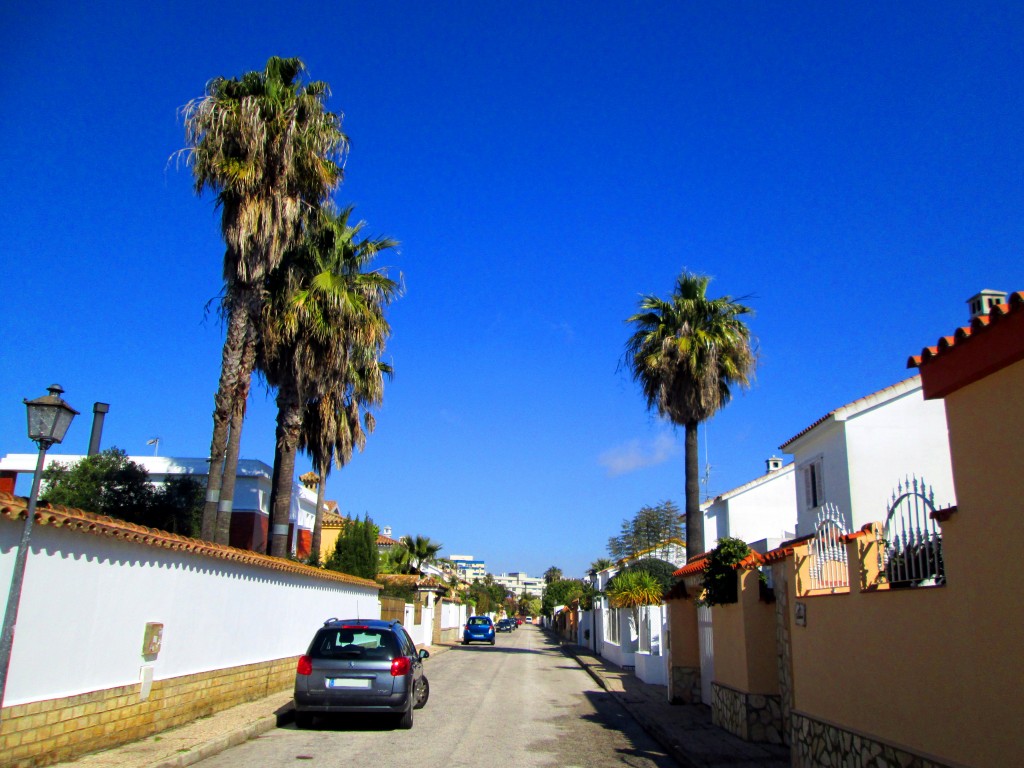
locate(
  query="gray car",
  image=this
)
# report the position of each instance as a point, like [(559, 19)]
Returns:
[(360, 665)]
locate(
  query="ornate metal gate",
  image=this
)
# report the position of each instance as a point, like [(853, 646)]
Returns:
[(829, 567), (910, 552)]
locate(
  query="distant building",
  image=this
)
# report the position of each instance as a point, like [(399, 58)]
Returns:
[(468, 567), (518, 583)]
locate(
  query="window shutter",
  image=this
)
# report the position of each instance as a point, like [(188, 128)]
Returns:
[(820, 466)]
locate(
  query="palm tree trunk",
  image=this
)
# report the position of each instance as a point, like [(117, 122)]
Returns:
[(227, 490), (694, 518), (318, 520), (231, 366), (289, 425)]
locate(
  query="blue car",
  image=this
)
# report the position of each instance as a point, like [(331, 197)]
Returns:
[(478, 629)]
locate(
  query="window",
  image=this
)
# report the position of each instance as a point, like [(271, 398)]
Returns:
[(814, 483)]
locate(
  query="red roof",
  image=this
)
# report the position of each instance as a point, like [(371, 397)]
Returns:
[(974, 351)]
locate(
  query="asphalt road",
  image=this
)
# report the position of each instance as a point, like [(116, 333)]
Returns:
[(520, 703)]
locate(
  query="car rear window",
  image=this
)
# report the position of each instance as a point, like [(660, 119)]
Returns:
[(478, 621), (349, 643)]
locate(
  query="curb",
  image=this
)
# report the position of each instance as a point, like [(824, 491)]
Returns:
[(650, 727), (222, 743)]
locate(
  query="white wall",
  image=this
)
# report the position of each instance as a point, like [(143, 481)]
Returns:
[(876, 443), (907, 438), (652, 667), (764, 508), (87, 598)]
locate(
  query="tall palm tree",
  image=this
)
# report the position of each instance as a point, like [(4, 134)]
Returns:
[(552, 575), (338, 422), (269, 149), (600, 564), (687, 352), (323, 304)]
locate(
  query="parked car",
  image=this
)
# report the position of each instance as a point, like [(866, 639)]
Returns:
[(478, 629), (355, 665), (504, 625)]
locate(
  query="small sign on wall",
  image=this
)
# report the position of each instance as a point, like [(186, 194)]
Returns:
[(152, 639), (800, 613)]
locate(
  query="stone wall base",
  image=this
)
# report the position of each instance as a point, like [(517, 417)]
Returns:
[(56, 730), (685, 685), (751, 716), (816, 743)]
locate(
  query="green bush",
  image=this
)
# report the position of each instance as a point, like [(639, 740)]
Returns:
[(720, 584)]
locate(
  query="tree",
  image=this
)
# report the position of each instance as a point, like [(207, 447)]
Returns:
[(687, 353), (563, 592), (109, 483), (322, 331), (633, 589), (270, 151), (355, 551), (552, 574), (651, 531), (421, 550)]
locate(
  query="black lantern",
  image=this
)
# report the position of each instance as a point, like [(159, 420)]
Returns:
[(49, 417)]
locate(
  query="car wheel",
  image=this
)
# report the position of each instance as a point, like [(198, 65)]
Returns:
[(421, 700), (465, 642), (303, 720), (492, 642), (405, 719)]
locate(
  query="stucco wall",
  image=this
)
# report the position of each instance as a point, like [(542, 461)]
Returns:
[(87, 598), (744, 657)]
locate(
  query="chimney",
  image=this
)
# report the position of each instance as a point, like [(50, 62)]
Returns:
[(386, 531), (774, 464), (99, 413), (982, 302)]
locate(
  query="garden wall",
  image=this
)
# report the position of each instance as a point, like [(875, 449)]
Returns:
[(228, 626)]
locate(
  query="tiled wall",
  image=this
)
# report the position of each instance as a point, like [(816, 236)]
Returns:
[(46, 732)]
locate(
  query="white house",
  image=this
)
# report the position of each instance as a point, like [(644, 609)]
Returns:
[(250, 517), (761, 512), (518, 583), (851, 460)]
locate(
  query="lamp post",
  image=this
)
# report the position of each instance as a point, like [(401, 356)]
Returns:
[(48, 420)]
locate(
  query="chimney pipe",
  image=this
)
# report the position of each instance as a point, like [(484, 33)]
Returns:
[(99, 412)]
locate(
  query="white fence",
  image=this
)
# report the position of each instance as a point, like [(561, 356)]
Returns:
[(87, 599)]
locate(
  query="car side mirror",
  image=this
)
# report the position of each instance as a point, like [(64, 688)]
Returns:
[(424, 653)]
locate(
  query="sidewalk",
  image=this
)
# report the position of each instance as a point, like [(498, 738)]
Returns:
[(203, 738), (685, 731)]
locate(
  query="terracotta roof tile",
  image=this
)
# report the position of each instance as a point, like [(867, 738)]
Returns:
[(1013, 305), (16, 508)]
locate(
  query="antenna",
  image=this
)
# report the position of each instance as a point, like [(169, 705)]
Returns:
[(155, 442)]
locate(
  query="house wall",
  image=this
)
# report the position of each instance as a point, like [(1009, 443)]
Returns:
[(683, 651), (904, 438), (826, 441), (765, 510), (85, 605)]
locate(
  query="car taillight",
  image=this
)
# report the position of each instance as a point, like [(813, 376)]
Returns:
[(305, 666), (401, 666)]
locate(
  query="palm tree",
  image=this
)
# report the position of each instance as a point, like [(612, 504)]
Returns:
[(268, 148), (321, 334), (687, 352), (421, 550), (552, 575), (601, 564)]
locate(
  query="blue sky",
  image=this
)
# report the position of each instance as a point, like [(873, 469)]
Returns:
[(853, 169)]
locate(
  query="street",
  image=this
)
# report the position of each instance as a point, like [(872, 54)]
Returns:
[(521, 703)]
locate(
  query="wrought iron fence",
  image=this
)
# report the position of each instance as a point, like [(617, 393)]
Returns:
[(829, 565), (910, 551)]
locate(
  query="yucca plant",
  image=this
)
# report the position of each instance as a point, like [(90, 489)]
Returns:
[(634, 589)]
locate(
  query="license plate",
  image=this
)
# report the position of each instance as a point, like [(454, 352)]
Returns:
[(347, 682)]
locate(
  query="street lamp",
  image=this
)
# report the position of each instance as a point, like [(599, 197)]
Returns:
[(48, 420)]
